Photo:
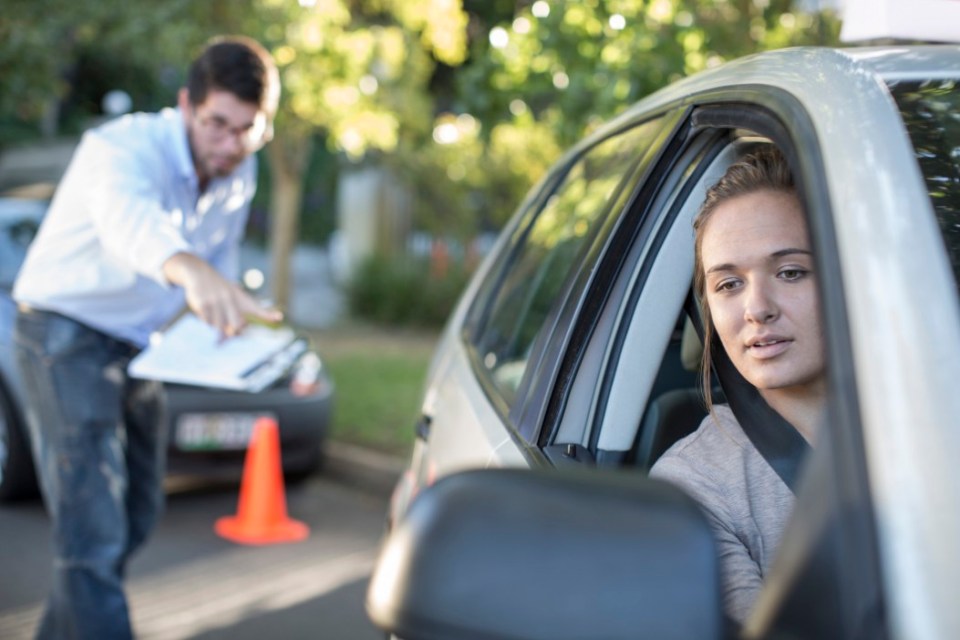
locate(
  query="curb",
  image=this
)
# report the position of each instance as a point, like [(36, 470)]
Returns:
[(363, 468)]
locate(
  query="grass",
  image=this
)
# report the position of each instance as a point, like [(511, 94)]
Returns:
[(379, 376)]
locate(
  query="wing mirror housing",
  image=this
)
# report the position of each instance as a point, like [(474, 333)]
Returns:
[(520, 554)]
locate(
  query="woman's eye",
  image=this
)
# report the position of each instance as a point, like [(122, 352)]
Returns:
[(792, 274), (726, 285)]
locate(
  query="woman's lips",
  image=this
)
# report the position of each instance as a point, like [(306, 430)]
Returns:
[(766, 348)]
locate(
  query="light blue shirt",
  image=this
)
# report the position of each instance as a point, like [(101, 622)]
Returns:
[(128, 201)]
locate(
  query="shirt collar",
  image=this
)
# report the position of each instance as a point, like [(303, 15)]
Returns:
[(181, 145)]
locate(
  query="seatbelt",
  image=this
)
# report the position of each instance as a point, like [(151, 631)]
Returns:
[(777, 440), (780, 444)]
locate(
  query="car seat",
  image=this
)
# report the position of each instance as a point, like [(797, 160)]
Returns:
[(674, 413)]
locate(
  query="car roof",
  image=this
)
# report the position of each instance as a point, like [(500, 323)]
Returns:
[(805, 72)]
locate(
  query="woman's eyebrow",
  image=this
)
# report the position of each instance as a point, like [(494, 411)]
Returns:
[(780, 253), (727, 266), (790, 251)]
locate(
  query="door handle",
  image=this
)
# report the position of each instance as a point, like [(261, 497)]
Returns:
[(422, 427)]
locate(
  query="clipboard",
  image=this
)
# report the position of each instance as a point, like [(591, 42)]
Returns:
[(192, 352)]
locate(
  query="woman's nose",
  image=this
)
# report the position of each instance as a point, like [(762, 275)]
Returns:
[(759, 304)]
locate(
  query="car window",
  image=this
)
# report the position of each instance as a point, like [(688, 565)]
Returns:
[(645, 324), (551, 250), (930, 112)]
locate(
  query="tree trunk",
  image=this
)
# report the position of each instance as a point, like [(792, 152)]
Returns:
[(288, 155)]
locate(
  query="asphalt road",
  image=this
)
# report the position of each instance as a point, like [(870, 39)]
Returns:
[(189, 583)]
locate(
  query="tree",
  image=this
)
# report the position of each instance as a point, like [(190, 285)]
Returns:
[(359, 71)]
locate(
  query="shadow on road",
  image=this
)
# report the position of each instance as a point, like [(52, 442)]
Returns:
[(189, 583)]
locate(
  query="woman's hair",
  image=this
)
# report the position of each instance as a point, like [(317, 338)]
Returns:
[(763, 170)]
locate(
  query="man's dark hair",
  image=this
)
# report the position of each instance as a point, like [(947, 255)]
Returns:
[(236, 64)]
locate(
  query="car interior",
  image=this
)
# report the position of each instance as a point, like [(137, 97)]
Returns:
[(652, 395), (677, 406)]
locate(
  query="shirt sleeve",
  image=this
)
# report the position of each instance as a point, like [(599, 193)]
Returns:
[(740, 574), (125, 193)]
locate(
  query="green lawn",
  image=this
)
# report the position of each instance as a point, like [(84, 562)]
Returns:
[(379, 376)]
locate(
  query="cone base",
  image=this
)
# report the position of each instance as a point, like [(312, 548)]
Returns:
[(232, 528)]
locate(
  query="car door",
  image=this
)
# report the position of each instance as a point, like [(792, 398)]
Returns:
[(626, 359), (868, 551)]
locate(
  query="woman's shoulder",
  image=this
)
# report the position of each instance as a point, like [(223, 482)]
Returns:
[(719, 430), (717, 445)]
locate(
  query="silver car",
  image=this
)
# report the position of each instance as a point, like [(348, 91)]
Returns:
[(569, 350)]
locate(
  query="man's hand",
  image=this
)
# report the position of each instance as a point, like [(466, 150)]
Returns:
[(217, 301)]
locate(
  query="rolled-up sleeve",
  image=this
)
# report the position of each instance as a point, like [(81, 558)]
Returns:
[(126, 203)]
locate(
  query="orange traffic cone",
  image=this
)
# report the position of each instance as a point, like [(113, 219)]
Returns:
[(262, 510)]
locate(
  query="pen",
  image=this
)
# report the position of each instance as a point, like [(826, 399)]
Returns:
[(251, 319)]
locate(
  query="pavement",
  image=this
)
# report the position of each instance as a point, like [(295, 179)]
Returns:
[(363, 468)]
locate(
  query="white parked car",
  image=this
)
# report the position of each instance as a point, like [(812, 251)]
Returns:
[(566, 351)]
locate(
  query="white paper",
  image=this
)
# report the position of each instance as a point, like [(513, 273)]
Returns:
[(192, 352)]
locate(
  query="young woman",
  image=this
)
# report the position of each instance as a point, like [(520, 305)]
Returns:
[(755, 279)]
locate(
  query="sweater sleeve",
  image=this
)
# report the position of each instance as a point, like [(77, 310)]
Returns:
[(740, 573)]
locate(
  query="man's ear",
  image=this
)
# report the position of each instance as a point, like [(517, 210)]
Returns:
[(183, 99)]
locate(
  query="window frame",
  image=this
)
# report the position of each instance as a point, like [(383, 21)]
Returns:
[(478, 313), (849, 550)]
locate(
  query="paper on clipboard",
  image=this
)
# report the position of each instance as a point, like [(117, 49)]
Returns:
[(192, 352)]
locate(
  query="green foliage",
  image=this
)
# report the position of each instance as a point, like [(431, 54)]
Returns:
[(360, 70), (46, 47), (379, 384), (469, 184), (405, 291), (574, 65)]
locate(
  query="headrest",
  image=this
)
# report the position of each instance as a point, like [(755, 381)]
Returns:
[(691, 347)]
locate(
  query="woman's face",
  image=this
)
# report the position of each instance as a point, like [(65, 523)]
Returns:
[(762, 293)]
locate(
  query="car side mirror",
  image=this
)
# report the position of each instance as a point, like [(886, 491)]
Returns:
[(511, 553)]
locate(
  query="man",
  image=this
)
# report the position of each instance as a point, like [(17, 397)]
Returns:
[(148, 217)]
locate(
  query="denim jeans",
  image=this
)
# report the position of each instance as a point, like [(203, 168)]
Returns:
[(100, 452)]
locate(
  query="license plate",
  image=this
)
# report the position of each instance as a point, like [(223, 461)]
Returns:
[(215, 431)]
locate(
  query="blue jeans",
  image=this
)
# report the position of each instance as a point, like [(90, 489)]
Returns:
[(100, 451)]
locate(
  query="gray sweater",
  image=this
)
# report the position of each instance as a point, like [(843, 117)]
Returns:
[(745, 501)]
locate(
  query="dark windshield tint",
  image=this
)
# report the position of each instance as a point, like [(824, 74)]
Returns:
[(931, 111)]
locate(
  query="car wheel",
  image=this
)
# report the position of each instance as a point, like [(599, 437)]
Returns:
[(17, 477)]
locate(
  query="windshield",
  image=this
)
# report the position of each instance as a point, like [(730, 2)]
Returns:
[(931, 112)]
